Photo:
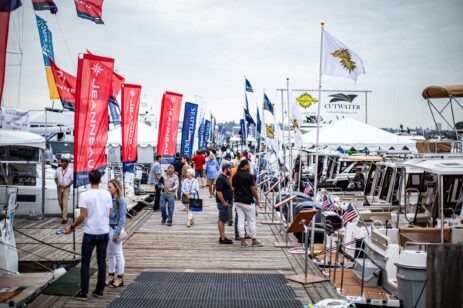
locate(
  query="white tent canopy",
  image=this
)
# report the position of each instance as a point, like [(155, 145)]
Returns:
[(147, 135), (348, 132), (14, 137)]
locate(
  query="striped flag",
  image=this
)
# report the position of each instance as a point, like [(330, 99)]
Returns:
[(349, 214), (308, 189), (327, 204)]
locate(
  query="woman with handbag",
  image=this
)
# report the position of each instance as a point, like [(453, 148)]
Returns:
[(190, 194), (116, 236)]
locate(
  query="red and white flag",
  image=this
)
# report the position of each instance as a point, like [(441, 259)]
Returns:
[(130, 106), (94, 76), (168, 123)]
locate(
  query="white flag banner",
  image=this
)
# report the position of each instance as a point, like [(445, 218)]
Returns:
[(14, 119), (337, 105), (339, 60)]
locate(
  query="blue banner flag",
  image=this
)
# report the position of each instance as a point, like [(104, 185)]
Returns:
[(267, 104), (248, 87), (188, 130), (243, 131), (206, 133), (248, 117), (200, 135), (115, 111), (259, 123)]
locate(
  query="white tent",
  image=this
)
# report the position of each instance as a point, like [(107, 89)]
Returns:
[(14, 137), (147, 135), (348, 132)]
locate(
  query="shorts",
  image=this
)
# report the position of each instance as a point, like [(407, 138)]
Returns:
[(223, 212), (199, 173), (211, 182)]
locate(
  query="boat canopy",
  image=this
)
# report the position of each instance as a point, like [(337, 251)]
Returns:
[(14, 137), (443, 91), (439, 166)]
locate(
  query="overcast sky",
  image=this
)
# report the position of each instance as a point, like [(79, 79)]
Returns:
[(205, 47)]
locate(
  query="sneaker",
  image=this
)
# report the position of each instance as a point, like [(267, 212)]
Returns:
[(169, 223), (245, 245), (257, 244), (225, 241), (64, 221), (81, 296), (230, 223), (97, 293), (163, 221)]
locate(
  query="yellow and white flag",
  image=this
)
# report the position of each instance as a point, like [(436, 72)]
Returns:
[(339, 60)]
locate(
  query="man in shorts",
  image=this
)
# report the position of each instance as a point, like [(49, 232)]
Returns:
[(199, 162), (224, 198)]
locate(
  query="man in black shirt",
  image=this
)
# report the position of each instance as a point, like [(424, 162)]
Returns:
[(245, 192), (224, 198)]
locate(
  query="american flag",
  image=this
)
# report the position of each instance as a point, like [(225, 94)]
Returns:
[(308, 189), (349, 214), (327, 204)]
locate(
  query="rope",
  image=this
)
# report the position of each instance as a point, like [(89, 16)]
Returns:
[(42, 242), (38, 262)]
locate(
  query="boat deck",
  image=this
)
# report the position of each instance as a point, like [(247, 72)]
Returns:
[(156, 247)]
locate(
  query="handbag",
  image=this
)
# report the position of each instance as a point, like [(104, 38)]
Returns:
[(185, 198), (123, 236), (196, 204)]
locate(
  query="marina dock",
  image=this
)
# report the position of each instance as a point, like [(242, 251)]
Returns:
[(152, 246)]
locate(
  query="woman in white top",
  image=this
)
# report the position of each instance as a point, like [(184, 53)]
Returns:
[(190, 188)]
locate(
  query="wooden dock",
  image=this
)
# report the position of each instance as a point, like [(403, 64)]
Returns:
[(157, 247)]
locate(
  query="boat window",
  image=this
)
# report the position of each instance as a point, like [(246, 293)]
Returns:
[(386, 182), (19, 153), (19, 174), (370, 178)]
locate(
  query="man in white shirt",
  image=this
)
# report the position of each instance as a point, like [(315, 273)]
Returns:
[(63, 180), (95, 209)]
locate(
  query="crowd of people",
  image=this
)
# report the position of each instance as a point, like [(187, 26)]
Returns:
[(230, 179)]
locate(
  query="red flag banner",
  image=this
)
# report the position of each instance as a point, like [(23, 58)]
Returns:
[(94, 76), (116, 84), (66, 85), (130, 106), (4, 26), (90, 9), (168, 123)]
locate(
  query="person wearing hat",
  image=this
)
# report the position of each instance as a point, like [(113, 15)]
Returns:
[(224, 198), (64, 180)]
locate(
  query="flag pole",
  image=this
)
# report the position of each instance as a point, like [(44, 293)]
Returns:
[(290, 150), (317, 142)]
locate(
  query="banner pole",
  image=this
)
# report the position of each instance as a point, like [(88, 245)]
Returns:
[(290, 149), (317, 143), (74, 219)]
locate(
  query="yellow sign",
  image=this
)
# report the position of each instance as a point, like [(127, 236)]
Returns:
[(306, 100)]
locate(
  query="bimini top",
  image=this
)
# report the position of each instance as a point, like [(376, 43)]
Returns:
[(14, 137), (438, 166), (443, 92)]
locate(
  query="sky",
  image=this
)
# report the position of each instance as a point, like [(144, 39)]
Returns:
[(206, 47)]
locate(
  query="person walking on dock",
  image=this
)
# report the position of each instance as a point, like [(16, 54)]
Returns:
[(212, 169), (186, 166), (178, 165), (245, 191), (156, 171), (95, 210), (199, 162), (224, 200), (64, 180), (169, 189), (190, 188), (116, 234)]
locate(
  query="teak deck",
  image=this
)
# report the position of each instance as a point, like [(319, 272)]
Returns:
[(156, 247)]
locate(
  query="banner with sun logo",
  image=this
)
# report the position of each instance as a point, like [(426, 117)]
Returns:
[(339, 60)]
